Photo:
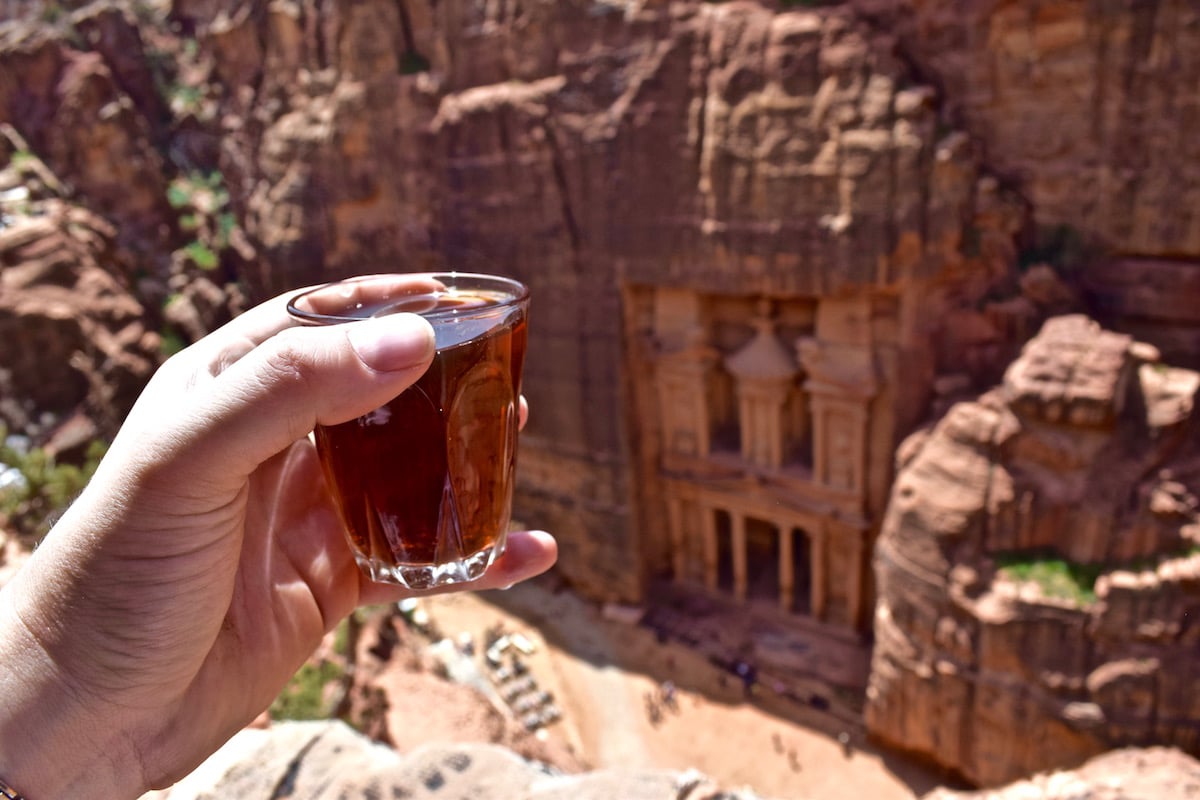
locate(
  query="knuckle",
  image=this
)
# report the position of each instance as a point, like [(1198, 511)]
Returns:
[(291, 367), (289, 362)]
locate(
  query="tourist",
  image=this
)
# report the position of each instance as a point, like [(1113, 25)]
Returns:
[(203, 563), (748, 674), (667, 694)]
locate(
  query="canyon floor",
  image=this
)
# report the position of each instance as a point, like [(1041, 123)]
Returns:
[(608, 677)]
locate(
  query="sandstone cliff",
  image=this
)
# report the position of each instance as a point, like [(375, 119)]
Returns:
[(883, 166), (1078, 104), (325, 760), (1039, 566)]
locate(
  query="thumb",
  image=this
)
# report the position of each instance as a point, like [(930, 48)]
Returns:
[(279, 391)]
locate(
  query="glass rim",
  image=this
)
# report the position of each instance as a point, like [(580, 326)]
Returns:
[(519, 293)]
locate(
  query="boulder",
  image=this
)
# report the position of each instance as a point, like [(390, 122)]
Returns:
[(1155, 773), (329, 760), (78, 336), (1037, 567)]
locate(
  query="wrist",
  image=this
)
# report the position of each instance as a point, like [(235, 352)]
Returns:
[(53, 744)]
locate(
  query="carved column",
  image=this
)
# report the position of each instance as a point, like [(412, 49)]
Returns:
[(765, 373), (684, 378), (854, 580), (842, 381), (818, 543), (708, 529), (841, 426), (738, 546), (787, 566)]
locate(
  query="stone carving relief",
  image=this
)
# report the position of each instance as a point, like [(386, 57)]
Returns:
[(686, 384), (765, 375), (763, 451)]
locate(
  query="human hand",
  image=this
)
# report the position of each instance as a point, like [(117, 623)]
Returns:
[(205, 560)]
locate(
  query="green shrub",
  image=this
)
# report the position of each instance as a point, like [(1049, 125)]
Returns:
[(1067, 580), (31, 503), (202, 201), (304, 697), (311, 693), (1057, 577)]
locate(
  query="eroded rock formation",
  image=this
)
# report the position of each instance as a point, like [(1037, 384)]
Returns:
[(328, 760), (77, 337), (1156, 773), (1086, 453), (1076, 102)]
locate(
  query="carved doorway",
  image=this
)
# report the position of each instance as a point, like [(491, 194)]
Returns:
[(762, 561), (802, 568)]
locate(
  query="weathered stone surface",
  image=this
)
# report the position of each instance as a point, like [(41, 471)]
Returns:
[(994, 677), (328, 760), (1153, 299), (71, 107), (590, 149), (1131, 774), (1074, 101), (78, 336), (1073, 372)]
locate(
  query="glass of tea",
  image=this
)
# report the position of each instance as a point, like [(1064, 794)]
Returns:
[(424, 484)]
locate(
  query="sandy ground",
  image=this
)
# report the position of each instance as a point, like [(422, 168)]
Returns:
[(606, 675)]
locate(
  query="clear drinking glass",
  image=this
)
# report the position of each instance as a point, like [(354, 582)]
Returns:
[(424, 484)]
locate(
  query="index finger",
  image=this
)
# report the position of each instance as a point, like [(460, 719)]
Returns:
[(233, 340), (366, 295)]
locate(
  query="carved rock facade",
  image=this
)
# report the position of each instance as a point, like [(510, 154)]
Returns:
[(610, 153), (763, 244)]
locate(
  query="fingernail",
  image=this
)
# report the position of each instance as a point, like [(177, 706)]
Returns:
[(391, 343)]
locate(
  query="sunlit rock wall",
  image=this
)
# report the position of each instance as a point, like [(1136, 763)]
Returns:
[(1089, 108), (1083, 468)]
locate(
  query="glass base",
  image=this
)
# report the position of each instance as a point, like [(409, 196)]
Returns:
[(430, 576)]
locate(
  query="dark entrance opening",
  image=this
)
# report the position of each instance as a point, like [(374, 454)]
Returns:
[(762, 561), (802, 571)]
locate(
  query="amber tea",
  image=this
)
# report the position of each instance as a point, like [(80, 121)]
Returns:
[(424, 483)]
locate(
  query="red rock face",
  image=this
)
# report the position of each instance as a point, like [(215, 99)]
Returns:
[(82, 341), (876, 172), (1077, 103), (77, 108), (1087, 453)]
